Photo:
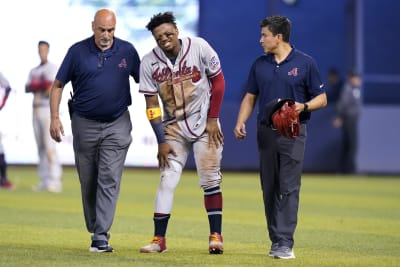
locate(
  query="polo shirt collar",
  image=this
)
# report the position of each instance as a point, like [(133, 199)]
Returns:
[(108, 52), (271, 58)]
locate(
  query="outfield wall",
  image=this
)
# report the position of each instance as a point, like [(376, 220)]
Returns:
[(344, 34), (341, 33), (379, 142)]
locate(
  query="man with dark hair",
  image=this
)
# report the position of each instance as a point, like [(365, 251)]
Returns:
[(186, 75), (39, 83), (282, 72)]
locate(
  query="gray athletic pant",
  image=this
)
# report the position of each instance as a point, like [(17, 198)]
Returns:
[(281, 164), (348, 163), (100, 152)]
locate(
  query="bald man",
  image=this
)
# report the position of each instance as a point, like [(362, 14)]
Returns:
[(99, 68)]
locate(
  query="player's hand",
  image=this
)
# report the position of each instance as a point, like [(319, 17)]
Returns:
[(240, 131), (56, 129), (164, 150), (214, 132)]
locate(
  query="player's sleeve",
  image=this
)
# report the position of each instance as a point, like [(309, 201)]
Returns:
[(209, 58), (3, 81), (147, 84), (52, 72), (5, 90), (213, 70), (28, 82), (217, 95)]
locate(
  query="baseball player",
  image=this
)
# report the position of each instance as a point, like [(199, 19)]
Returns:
[(39, 83), (5, 90), (186, 75)]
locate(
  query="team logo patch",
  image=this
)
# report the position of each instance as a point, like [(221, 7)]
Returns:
[(213, 63), (293, 72), (123, 64)]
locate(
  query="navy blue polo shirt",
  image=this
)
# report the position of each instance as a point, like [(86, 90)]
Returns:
[(297, 78), (100, 79)]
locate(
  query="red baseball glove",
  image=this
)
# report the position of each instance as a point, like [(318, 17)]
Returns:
[(286, 120)]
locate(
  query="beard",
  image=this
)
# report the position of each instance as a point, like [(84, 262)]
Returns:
[(105, 42)]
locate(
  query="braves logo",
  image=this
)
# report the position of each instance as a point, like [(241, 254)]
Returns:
[(123, 64), (184, 73), (293, 72)]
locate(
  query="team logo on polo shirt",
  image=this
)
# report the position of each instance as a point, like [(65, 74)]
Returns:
[(123, 63), (293, 72)]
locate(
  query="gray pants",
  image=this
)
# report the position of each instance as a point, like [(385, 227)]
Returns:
[(281, 164), (100, 152)]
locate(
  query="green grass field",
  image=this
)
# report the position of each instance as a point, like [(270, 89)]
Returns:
[(343, 221)]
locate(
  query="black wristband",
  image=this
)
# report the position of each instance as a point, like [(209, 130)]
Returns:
[(305, 107)]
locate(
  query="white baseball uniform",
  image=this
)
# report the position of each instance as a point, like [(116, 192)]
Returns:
[(4, 84), (185, 90), (49, 167)]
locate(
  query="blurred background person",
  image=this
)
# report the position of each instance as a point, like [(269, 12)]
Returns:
[(348, 109), (334, 85), (39, 83), (5, 90)]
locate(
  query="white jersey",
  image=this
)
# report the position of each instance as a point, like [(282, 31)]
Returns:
[(4, 84), (184, 87), (45, 72)]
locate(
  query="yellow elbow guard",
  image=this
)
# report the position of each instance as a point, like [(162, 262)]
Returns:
[(153, 113)]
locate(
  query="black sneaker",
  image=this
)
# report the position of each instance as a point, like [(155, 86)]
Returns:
[(100, 246), (274, 248), (284, 253)]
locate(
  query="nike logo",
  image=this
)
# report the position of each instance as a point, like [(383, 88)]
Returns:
[(154, 63)]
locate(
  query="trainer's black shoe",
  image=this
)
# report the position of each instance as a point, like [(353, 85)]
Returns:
[(100, 246), (284, 252), (274, 248)]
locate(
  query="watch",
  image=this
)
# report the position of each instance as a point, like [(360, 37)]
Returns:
[(305, 107)]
